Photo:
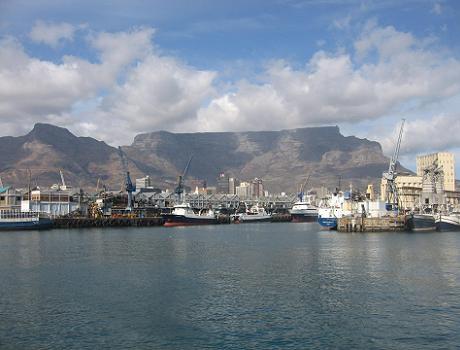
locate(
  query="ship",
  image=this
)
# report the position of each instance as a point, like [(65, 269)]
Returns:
[(332, 209), (303, 210), (184, 215), (254, 214), (448, 222), (11, 219)]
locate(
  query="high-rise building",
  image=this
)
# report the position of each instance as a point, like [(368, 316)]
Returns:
[(244, 190), (445, 160), (222, 183), (232, 183), (257, 188)]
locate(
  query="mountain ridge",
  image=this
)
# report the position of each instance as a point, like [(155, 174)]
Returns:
[(281, 158)]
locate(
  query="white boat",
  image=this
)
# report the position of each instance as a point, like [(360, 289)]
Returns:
[(303, 212), (18, 220), (254, 214), (448, 222), (184, 215)]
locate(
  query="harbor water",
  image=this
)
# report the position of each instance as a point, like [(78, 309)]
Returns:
[(253, 286)]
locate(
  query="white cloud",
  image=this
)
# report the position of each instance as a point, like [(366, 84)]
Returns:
[(52, 33), (386, 72), (34, 90), (437, 8)]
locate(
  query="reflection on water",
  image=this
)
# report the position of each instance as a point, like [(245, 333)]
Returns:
[(229, 287)]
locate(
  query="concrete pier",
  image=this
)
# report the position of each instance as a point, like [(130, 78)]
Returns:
[(382, 224)]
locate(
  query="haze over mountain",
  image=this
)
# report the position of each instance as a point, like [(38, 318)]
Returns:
[(281, 158)]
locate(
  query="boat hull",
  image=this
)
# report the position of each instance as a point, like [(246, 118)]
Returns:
[(304, 217), (253, 219), (448, 223), (41, 224), (422, 223), (328, 222), (182, 220)]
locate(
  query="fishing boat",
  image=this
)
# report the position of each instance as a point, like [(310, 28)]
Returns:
[(448, 222), (255, 213), (18, 220), (184, 215), (422, 222)]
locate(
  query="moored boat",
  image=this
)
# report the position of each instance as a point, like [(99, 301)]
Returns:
[(448, 222), (254, 214), (331, 210), (422, 222), (17, 220), (303, 212), (184, 215)]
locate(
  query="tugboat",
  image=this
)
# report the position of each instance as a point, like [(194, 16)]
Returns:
[(184, 215), (254, 214), (17, 220)]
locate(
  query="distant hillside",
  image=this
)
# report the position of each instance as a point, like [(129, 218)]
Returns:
[(281, 158)]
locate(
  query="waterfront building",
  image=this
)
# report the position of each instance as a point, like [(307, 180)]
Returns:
[(445, 160), (54, 203), (10, 198), (409, 190)]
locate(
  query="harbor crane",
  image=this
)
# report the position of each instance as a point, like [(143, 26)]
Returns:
[(180, 183), (129, 186), (390, 176), (63, 187), (302, 188)]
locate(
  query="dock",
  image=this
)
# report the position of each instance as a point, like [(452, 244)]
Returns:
[(380, 224)]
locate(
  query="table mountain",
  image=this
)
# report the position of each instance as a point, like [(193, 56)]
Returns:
[(281, 158)]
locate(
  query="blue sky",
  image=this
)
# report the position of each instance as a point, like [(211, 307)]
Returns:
[(112, 69)]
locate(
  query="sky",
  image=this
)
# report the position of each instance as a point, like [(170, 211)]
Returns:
[(114, 69)]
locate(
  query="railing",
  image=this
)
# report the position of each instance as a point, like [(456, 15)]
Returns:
[(17, 214)]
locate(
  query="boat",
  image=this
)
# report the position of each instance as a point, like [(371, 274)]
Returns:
[(448, 222), (11, 219), (184, 215), (254, 214), (421, 222), (332, 209), (303, 211)]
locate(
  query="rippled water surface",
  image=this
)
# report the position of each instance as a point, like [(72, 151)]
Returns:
[(253, 286)]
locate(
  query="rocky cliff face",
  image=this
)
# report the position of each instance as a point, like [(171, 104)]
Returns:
[(281, 158)]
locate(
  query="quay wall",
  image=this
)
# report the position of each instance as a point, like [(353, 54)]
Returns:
[(382, 224)]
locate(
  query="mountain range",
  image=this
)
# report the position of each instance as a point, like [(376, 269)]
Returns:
[(283, 159)]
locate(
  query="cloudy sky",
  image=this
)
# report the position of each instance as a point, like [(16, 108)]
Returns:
[(113, 69)]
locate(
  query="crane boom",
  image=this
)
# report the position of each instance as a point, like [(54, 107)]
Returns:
[(180, 183), (129, 186), (392, 190)]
